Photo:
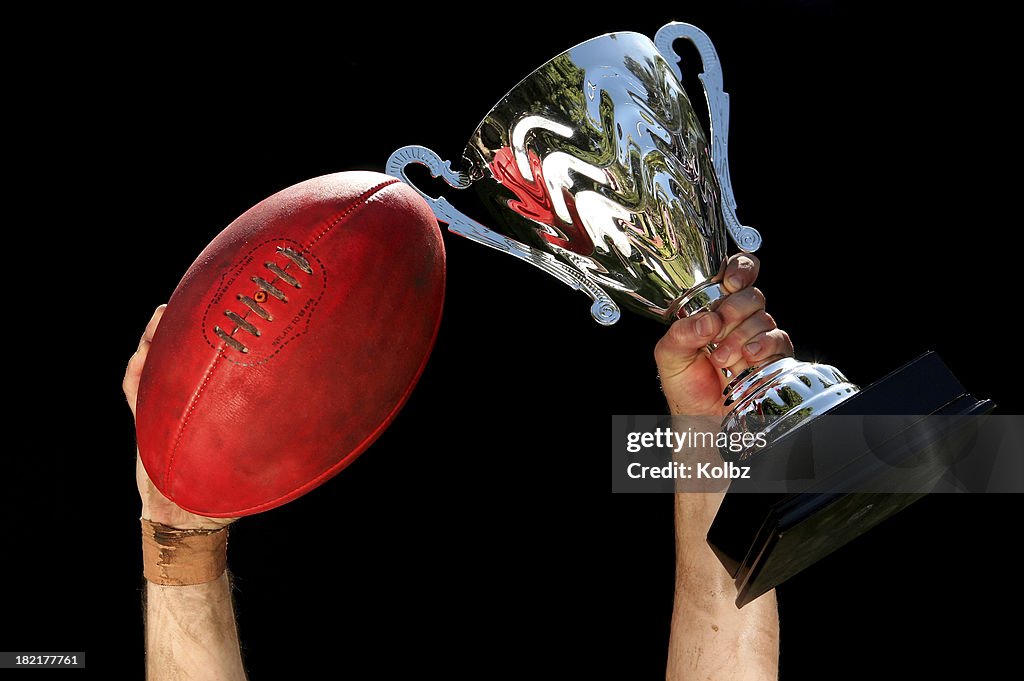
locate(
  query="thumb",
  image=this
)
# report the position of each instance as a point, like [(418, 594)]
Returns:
[(691, 383), (684, 343), (133, 374)]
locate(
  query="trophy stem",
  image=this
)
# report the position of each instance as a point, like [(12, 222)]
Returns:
[(781, 394)]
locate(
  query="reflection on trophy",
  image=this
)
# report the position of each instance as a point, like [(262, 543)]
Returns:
[(597, 171)]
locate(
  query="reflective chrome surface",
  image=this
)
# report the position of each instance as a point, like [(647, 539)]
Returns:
[(780, 395), (747, 238), (603, 310), (596, 171), (597, 159)]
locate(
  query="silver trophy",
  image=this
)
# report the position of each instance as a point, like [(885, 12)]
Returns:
[(597, 172), (597, 169)]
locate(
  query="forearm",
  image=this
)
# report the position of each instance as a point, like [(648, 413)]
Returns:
[(191, 633), (190, 621), (711, 638)]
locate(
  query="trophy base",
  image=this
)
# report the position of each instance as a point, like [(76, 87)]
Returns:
[(764, 539)]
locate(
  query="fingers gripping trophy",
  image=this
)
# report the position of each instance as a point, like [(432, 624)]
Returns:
[(596, 170)]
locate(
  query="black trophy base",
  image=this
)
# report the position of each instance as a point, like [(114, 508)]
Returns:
[(764, 539)]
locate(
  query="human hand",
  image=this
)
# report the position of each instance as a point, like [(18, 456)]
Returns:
[(745, 334), (155, 506)]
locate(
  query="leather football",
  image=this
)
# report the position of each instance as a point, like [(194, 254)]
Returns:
[(291, 343)]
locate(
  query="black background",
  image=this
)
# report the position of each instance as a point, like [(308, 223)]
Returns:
[(478, 535)]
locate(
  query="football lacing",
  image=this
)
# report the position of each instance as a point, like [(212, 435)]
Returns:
[(254, 302), (270, 288), (299, 261), (255, 307), (281, 274)]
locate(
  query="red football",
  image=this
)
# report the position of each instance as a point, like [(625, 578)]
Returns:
[(291, 343)]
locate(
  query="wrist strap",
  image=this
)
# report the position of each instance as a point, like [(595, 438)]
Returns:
[(175, 557)]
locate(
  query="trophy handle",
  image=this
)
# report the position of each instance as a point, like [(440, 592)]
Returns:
[(747, 238), (603, 310)]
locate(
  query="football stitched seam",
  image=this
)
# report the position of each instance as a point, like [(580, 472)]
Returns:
[(168, 479), (363, 198)]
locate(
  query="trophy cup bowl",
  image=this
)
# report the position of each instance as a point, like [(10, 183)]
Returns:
[(597, 171)]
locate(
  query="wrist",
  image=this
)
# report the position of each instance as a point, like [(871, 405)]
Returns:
[(174, 556), (183, 520)]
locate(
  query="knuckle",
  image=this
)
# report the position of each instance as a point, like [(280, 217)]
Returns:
[(136, 363), (756, 338), (680, 331), (729, 310), (723, 354), (660, 350), (782, 341), (676, 335), (751, 296), (739, 305)]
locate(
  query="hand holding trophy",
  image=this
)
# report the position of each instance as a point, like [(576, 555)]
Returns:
[(597, 171)]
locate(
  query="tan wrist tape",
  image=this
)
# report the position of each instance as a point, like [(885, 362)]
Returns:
[(174, 557)]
